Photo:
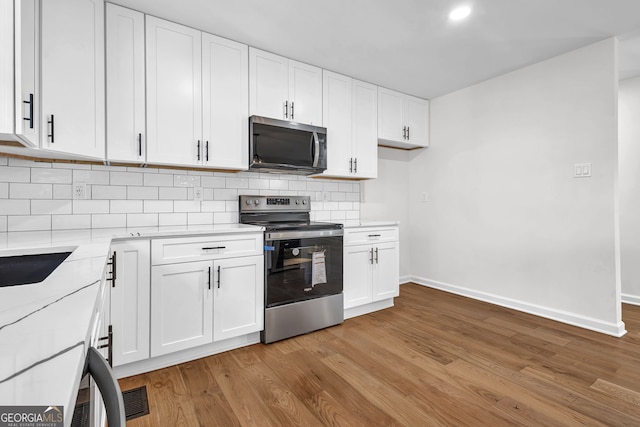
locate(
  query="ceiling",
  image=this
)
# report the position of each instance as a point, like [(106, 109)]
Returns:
[(409, 45)]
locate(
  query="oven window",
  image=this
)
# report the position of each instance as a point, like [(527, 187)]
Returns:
[(302, 269)]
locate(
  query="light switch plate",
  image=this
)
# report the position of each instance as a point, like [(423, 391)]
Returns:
[(582, 170)]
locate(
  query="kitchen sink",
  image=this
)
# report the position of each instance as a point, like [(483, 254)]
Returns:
[(25, 269)]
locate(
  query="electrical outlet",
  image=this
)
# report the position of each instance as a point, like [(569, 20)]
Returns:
[(424, 197), (326, 196), (79, 191), (197, 194)]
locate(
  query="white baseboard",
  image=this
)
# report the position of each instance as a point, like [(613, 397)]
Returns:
[(631, 299), (614, 329), (182, 356), (367, 308), (405, 279)]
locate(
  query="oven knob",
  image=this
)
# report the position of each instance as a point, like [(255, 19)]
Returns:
[(256, 201), (297, 202), (304, 202), (248, 201)]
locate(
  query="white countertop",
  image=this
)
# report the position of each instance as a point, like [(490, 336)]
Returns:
[(363, 224), (45, 327)]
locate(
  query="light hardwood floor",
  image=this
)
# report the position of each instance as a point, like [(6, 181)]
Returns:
[(433, 359)]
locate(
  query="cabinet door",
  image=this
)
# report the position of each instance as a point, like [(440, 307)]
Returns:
[(357, 275), (181, 306), (238, 297), (386, 274), (26, 63), (268, 84), (72, 76), (126, 134), (225, 91), (174, 98), (130, 299), (336, 108), (305, 93), (390, 119), (417, 119), (365, 129)]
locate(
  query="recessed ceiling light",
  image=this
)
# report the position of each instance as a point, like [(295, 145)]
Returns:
[(459, 13)]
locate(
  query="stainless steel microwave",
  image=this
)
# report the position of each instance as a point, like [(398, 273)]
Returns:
[(286, 147)]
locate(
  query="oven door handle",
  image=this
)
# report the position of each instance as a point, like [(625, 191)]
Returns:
[(108, 385), (302, 234)]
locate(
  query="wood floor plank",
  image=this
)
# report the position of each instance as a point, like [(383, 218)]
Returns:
[(432, 359)]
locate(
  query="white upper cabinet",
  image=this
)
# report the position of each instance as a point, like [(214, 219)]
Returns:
[(174, 93), (281, 88), (403, 120), (350, 116), (26, 73), (72, 77), (225, 91), (126, 134)]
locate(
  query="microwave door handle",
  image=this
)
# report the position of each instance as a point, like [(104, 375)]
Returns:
[(316, 149)]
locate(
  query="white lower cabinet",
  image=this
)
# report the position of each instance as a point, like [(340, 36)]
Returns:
[(212, 295), (238, 300), (130, 299), (371, 265), (181, 306)]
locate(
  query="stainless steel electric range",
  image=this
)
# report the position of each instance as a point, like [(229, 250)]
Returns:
[(303, 266)]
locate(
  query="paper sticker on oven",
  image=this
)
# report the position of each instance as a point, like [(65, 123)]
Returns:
[(318, 268)]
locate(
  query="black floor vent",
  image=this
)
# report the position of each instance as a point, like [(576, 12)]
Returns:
[(136, 403)]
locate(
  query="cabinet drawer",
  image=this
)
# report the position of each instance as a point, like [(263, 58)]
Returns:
[(359, 236), (186, 249)]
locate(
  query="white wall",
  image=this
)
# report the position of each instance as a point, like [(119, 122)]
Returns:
[(629, 163), (506, 221), (387, 197)]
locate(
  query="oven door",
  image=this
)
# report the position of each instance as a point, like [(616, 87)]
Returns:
[(302, 265)]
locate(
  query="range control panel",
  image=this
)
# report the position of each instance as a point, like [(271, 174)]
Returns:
[(275, 203)]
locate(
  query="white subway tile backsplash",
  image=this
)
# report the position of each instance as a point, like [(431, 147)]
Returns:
[(142, 220), (142, 193), (51, 176), (62, 191), (172, 219), (225, 194), (158, 180), (38, 195), (200, 218), (125, 206), (90, 206), (109, 192), (15, 207), (172, 193), (48, 207), (18, 190), (108, 221), (157, 206), (29, 222), (91, 177), (125, 178), (186, 206), (278, 184), (68, 222), (215, 206), (225, 217), (11, 174)]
